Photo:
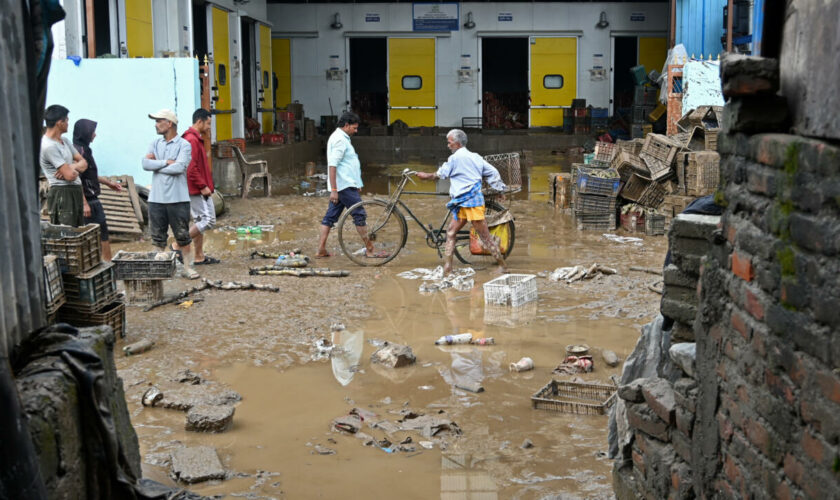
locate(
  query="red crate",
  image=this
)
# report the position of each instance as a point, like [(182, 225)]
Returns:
[(579, 112), (271, 139), (285, 116)]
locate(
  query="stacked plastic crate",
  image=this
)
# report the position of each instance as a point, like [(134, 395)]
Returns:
[(90, 289), (143, 274), (595, 193)]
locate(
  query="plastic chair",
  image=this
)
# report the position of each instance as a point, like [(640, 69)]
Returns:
[(252, 170)]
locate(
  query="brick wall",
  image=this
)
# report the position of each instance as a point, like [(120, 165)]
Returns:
[(760, 418)]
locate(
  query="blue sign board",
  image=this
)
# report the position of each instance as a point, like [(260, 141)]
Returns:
[(429, 16), (371, 18), (505, 16)]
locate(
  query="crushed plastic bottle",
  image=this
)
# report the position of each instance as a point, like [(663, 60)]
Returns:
[(461, 338), (483, 341)]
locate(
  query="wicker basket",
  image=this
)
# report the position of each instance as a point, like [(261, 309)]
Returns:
[(574, 397), (144, 265), (635, 187), (508, 166), (605, 151), (653, 196), (143, 292), (698, 173), (77, 248), (89, 292), (53, 284), (654, 224), (659, 153), (626, 163), (112, 314), (712, 139), (511, 289)]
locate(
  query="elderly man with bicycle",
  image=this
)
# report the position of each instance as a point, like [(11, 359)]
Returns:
[(466, 171)]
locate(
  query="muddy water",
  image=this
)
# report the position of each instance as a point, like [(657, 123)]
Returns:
[(261, 345)]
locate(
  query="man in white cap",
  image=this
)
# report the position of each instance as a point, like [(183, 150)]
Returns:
[(169, 199)]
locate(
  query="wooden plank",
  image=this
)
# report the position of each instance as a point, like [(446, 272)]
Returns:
[(135, 200), (120, 213)]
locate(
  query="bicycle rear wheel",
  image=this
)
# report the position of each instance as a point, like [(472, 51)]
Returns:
[(462, 243), (385, 227)]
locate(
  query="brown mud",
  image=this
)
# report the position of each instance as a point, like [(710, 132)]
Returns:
[(262, 345)]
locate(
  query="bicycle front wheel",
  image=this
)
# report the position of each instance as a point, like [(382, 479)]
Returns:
[(506, 232), (384, 226)]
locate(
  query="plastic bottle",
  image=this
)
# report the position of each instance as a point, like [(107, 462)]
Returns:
[(484, 341), (242, 230), (461, 338), (255, 230)]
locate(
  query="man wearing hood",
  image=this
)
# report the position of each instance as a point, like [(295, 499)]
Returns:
[(200, 184), (84, 132)]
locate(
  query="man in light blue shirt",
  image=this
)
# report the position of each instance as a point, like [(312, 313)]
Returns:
[(169, 199), (344, 180), (465, 171)]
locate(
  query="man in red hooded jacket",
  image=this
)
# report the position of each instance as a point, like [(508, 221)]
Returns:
[(200, 184)]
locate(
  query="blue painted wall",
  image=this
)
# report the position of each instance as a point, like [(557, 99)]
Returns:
[(700, 26), (119, 94)]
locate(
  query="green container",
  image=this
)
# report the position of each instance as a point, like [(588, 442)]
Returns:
[(639, 75), (255, 230), (242, 230)]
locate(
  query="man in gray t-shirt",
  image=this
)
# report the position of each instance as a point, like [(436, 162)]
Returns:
[(62, 164)]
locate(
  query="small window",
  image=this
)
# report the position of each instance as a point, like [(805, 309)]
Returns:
[(265, 79), (412, 82), (222, 75), (553, 81)]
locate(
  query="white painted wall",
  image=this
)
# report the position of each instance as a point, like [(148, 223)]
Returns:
[(313, 41)]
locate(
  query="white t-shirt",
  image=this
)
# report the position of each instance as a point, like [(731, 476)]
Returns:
[(55, 154)]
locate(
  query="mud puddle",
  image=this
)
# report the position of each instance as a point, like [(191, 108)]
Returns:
[(261, 345)]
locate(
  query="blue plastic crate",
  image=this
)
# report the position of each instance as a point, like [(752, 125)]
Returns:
[(600, 112), (589, 182)]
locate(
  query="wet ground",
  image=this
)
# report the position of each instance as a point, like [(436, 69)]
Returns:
[(262, 345)]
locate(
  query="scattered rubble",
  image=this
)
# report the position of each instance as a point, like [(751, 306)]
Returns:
[(393, 355), (576, 273), (195, 465), (206, 418)]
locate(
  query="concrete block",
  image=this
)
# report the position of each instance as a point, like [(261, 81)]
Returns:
[(641, 417), (632, 392), (673, 276), (206, 418), (748, 75), (659, 395), (694, 226), (195, 465), (682, 332), (678, 310), (755, 114)]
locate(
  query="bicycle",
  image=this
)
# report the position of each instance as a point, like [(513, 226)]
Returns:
[(388, 229)]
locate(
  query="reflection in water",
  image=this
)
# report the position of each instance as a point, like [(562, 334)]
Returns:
[(347, 353), (510, 317), (466, 372), (460, 481)]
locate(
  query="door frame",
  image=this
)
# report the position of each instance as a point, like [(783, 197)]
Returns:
[(637, 34)]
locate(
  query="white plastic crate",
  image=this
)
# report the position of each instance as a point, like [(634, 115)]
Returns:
[(511, 289)]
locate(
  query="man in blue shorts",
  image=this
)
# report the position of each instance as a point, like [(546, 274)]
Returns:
[(344, 180), (465, 171)]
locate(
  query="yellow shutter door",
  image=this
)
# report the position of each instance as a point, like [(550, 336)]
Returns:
[(411, 81), (221, 79), (553, 79), (266, 78), (281, 66), (652, 52), (138, 28)]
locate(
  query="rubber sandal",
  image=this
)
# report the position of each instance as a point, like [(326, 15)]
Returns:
[(177, 253), (323, 256), (207, 261), (190, 274), (382, 254)]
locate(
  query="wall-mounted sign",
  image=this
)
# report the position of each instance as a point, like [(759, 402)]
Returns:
[(505, 17), (637, 16), (435, 16), (335, 62), (372, 17), (466, 61)]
